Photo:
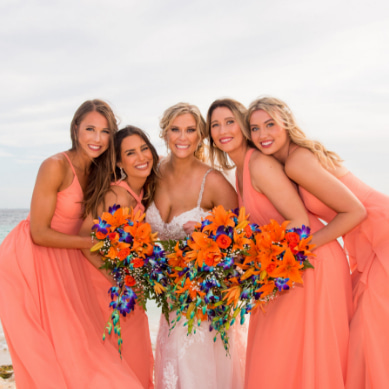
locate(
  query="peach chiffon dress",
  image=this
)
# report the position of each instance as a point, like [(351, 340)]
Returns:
[(368, 248), (136, 348), (49, 311), (301, 341)]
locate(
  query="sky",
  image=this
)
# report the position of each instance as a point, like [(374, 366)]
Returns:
[(328, 60)]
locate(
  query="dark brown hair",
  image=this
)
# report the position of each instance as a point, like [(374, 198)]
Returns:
[(150, 184)]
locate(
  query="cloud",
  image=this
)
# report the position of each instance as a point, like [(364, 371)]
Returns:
[(328, 60)]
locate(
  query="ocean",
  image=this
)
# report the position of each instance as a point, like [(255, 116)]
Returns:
[(9, 218)]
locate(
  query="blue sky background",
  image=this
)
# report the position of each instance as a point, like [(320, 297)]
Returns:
[(327, 60)]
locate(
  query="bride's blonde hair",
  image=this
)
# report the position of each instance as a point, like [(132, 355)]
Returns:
[(181, 109), (284, 117)]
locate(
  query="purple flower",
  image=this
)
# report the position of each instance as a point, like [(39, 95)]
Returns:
[(114, 291), (226, 263), (281, 283), (101, 226), (245, 294), (304, 231), (124, 236), (113, 209)]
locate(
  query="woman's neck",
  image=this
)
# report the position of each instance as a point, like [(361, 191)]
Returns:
[(136, 184), (283, 154), (238, 155), (80, 161), (181, 166)]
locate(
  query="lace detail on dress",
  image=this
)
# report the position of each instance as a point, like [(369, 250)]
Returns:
[(192, 361), (170, 377), (174, 229)]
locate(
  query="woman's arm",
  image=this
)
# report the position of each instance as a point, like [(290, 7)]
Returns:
[(116, 195), (50, 179), (269, 178), (220, 191), (304, 168), (217, 191)]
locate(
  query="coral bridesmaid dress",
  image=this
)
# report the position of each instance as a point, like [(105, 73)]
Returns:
[(136, 348), (50, 315), (368, 248), (301, 341)]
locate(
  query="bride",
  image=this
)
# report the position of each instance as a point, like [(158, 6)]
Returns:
[(186, 190)]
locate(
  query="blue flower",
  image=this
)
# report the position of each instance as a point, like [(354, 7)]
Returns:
[(245, 294), (124, 236), (101, 226), (114, 291), (281, 283), (226, 263), (113, 209), (304, 231)]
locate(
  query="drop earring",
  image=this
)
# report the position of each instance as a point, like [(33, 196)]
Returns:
[(123, 175)]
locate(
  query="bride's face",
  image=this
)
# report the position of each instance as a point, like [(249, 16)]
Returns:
[(182, 137)]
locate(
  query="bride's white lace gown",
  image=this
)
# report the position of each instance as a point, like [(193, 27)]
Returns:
[(194, 361)]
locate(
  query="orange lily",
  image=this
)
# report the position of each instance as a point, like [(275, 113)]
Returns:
[(219, 217), (289, 268), (192, 288)]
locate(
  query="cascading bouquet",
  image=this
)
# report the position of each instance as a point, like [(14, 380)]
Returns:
[(139, 267), (274, 263), (201, 269)]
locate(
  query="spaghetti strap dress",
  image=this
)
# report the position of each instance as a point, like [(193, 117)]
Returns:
[(136, 347), (367, 246), (301, 340), (50, 315), (194, 361)]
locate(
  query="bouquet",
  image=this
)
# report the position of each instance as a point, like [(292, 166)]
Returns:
[(126, 245), (275, 261), (202, 267)]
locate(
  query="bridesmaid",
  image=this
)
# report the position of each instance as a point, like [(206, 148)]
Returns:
[(48, 309), (136, 163), (301, 340), (328, 189)]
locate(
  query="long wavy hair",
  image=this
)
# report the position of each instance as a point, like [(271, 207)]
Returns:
[(284, 117), (239, 111), (150, 184), (180, 109), (102, 167)]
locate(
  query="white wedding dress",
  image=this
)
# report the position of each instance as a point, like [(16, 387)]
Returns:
[(194, 361)]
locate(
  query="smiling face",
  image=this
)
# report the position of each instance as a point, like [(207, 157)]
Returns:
[(136, 158), (268, 135), (225, 130), (182, 136), (93, 134)]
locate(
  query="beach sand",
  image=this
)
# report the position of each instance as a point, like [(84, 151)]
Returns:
[(5, 359)]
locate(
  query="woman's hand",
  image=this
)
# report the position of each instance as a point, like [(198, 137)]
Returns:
[(189, 227)]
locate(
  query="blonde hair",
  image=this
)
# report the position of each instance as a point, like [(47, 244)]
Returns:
[(181, 109), (283, 115), (239, 111)]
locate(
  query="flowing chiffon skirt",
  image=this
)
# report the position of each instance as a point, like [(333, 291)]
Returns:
[(51, 319), (301, 340)]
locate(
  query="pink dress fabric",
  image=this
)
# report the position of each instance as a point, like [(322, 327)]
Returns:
[(368, 248), (136, 348), (50, 315), (301, 341)]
